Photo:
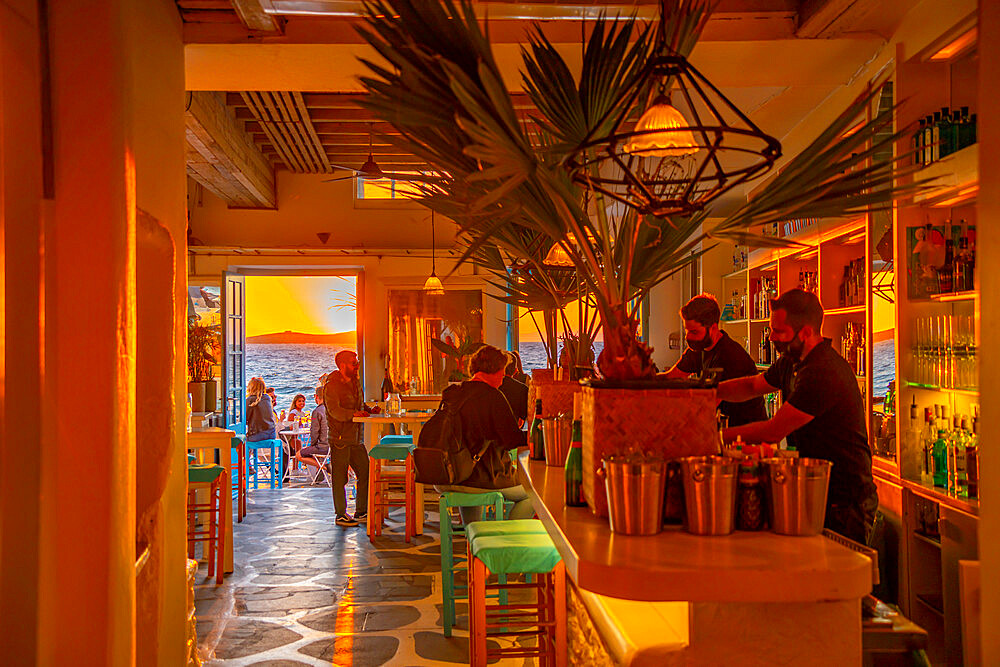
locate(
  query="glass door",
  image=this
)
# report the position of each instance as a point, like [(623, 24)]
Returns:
[(234, 346)]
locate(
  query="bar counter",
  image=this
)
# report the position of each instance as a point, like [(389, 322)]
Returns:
[(745, 598)]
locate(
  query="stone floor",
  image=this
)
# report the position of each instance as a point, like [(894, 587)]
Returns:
[(308, 592)]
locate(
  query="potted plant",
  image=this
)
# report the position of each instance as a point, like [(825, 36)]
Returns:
[(498, 171), (203, 350)]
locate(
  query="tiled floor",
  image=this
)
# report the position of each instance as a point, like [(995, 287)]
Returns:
[(308, 592)]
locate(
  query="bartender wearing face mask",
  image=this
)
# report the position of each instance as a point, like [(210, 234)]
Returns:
[(822, 412), (708, 347)]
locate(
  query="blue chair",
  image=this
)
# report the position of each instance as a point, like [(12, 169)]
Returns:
[(450, 590), (238, 459), (254, 464)]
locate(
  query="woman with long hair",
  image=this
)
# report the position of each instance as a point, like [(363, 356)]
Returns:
[(259, 412), (298, 408)]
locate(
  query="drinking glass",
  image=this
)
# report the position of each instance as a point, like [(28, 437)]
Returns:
[(394, 405)]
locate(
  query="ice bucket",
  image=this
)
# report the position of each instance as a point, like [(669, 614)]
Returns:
[(556, 433), (709, 494), (797, 492), (635, 488)]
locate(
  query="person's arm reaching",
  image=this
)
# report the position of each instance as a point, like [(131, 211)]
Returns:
[(674, 373), (788, 418), (743, 389)]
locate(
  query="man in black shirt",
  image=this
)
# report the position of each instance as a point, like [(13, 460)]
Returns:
[(822, 412), (708, 347)]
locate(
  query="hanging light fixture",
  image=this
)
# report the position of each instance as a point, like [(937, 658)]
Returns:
[(675, 159), (557, 255), (433, 285), (662, 131)]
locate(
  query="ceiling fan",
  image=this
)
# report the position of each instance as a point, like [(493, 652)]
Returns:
[(369, 169)]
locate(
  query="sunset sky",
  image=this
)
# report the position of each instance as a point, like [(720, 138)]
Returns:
[(298, 303)]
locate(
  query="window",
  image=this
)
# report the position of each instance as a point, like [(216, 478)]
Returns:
[(385, 188)]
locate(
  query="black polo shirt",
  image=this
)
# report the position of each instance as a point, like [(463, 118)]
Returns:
[(824, 386), (734, 361)]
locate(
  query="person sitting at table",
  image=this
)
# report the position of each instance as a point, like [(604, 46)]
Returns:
[(259, 412), (298, 409), (274, 397), (319, 434), (487, 420), (515, 391)]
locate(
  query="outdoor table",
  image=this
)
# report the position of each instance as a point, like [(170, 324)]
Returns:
[(414, 421), (287, 436), (205, 440)]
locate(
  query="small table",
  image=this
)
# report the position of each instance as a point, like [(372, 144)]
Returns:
[(287, 436), (221, 440), (378, 422)]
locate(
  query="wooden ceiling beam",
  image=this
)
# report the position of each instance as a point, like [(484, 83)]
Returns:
[(223, 157), (253, 16)]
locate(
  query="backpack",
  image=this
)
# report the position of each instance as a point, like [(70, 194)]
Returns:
[(440, 457)]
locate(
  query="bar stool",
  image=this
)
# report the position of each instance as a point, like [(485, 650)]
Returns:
[(516, 547), (208, 477), (450, 591), (396, 440), (387, 478), (254, 464), (238, 455)]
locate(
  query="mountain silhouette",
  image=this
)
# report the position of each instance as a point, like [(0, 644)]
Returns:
[(296, 338)]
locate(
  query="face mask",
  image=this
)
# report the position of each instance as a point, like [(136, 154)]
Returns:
[(700, 345)]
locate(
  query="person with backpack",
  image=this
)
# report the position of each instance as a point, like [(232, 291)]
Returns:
[(488, 431)]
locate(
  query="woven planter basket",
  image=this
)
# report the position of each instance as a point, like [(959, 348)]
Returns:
[(556, 395), (670, 422)]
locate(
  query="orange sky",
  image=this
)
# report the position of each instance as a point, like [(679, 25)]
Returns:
[(298, 303), (528, 332)]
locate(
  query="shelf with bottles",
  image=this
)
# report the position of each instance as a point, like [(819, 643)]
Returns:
[(947, 390), (967, 295)]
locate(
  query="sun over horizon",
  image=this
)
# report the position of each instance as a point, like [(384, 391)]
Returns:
[(302, 304)]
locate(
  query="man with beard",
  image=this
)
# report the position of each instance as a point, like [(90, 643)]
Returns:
[(343, 401), (709, 347), (822, 412)]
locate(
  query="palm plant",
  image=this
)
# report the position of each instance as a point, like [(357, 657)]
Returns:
[(503, 179)]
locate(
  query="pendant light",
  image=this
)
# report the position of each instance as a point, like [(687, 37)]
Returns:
[(662, 131), (433, 286)]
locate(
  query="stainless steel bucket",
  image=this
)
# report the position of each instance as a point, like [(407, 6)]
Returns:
[(635, 489), (797, 493), (709, 494), (556, 433)]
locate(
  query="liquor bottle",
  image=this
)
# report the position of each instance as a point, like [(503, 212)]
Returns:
[(939, 457), (928, 142), (918, 144), (936, 136), (536, 437), (946, 272), (962, 459), (574, 467), (944, 129), (927, 445), (972, 461), (802, 280)]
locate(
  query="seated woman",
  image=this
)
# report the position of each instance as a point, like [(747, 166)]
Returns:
[(319, 433), (298, 409), (486, 416), (259, 412)]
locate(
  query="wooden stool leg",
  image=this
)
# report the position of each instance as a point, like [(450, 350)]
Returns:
[(372, 493), (220, 531), (410, 525), (192, 521), (447, 570), (212, 541), (477, 612), (559, 593)]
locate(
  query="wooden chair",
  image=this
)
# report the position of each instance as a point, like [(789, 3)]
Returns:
[(209, 478)]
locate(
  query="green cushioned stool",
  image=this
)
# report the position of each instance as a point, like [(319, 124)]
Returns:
[(384, 483), (208, 477), (520, 548), (396, 440), (391, 451), (450, 562)]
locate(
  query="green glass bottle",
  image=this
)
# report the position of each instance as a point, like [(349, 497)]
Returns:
[(536, 440), (939, 455), (574, 467)]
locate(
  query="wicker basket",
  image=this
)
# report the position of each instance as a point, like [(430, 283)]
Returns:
[(672, 422), (556, 395)]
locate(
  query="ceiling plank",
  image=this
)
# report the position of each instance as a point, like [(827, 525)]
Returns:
[(231, 165), (253, 16)]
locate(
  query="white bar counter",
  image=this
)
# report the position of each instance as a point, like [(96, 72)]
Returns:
[(745, 598)]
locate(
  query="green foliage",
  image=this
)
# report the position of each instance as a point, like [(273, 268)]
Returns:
[(203, 349)]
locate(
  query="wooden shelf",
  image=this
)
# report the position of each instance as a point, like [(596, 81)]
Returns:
[(939, 495), (929, 540), (763, 367), (955, 178), (846, 310), (725, 322), (739, 273), (931, 387), (760, 321), (970, 295)]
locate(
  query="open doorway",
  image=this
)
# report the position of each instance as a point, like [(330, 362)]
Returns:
[(295, 326)]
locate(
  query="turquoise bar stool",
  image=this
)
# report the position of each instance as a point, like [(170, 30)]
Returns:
[(208, 477), (450, 591), (254, 464), (385, 481), (396, 440), (516, 547)]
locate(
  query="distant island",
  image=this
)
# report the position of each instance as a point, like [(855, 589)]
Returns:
[(296, 338)]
